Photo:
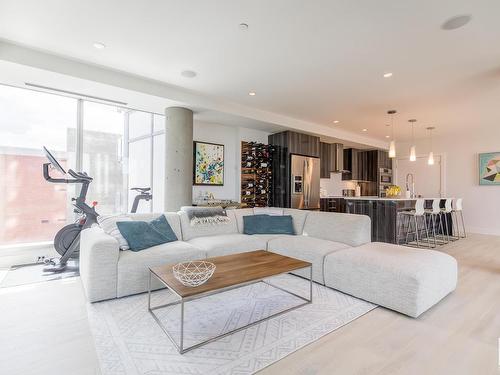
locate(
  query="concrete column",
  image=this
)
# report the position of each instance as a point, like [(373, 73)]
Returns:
[(178, 158)]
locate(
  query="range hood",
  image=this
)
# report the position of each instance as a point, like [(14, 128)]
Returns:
[(337, 156)]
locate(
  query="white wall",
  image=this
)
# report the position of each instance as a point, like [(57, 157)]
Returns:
[(230, 137), (481, 203)]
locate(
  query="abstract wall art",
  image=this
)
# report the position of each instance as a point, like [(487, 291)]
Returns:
[(208, 164), (489, 168)]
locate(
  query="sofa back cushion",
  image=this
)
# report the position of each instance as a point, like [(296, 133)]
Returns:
[(192, 231), (299, 218), (353, 230), (108, 225), (172, 218), (239, 213)]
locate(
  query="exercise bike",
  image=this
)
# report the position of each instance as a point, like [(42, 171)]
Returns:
[(144, 194), (67, 239)]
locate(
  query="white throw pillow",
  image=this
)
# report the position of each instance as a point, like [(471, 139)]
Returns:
[(108, 225)]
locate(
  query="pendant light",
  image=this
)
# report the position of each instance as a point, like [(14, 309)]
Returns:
[(413, 151), (392, 145), (430, 161)]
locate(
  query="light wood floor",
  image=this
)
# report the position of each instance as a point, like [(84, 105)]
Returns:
[(44, 329), (458, 336)]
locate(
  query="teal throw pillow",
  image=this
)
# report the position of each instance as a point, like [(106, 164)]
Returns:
[(268, 224), (140, 235)]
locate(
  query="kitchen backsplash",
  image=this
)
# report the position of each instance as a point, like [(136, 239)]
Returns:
[(334, 185)]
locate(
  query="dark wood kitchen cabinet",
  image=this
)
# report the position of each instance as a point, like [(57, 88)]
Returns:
[(333, 204), (363, 165), (325, 160), (384, 161), (350, 164), (297, 143)]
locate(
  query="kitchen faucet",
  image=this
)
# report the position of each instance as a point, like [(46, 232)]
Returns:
[(412, 191)]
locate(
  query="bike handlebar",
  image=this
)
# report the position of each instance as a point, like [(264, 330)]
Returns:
[(78, 177)]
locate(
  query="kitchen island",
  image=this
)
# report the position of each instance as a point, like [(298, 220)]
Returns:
[(384, 214)]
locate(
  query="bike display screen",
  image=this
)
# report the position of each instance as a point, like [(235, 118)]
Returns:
[(53, 160)]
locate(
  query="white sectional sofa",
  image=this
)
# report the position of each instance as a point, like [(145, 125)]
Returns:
[(107, 272)]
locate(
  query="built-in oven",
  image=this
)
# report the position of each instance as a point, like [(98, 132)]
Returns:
[(385, 181), (385, 176)]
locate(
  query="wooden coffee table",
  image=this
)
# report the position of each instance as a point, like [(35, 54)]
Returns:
[(232, 271)]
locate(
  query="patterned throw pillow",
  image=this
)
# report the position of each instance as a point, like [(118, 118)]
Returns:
[(108, 225)]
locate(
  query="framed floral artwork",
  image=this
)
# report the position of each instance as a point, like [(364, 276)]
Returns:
[(208, 163)]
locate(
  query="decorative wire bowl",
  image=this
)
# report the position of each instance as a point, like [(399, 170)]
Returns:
[(193, 273)]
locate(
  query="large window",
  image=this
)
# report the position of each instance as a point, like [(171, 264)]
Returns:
[(32, 210), (103, 143), (146, 156), (118, 147)]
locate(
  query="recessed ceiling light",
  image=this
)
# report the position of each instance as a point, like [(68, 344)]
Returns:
[(456, 22), (243, 26), (251, 93), (99, 45), (188, 73), (336, 121), (365, 130), (387, 75), (387, 136)]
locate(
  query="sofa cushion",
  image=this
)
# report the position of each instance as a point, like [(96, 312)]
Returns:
[(267, 224), (239, 213), (172, 217), (193, 231), (133, 266), (353, 230), (400, 278), (273, 211), (305, 248), (108, 225), (226, 244), (141, 235), (299, 218)]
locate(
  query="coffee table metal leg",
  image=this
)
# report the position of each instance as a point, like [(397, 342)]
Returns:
[(149, 291), (310, 283), (180, 347)]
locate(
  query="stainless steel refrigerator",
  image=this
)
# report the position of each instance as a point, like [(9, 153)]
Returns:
[(304, 182)]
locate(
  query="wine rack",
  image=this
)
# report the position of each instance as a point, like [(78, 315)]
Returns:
[(256, 174)]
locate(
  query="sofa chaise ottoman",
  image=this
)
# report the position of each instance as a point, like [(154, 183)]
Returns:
[(403, 279)]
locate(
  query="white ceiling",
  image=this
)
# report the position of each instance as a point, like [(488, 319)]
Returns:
[(312, 60)]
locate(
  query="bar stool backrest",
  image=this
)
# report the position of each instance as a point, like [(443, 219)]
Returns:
[(419, 207), (458, 204), (436, 206), (447, 205)]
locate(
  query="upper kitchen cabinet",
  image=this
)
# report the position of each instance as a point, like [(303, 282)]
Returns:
[(384, 161), (363, 165), (351, 164), (297, 143), (324, 155)]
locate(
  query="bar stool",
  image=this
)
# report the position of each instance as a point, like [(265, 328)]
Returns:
[(445, 211), (457, 208), (435, 214), (416, 215)]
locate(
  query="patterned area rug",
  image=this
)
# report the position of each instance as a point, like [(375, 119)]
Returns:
[(129, 341)]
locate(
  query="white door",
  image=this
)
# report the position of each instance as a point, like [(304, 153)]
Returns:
[(428, 178)]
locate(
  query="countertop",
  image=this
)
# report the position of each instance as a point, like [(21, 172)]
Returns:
[(389, 199)]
